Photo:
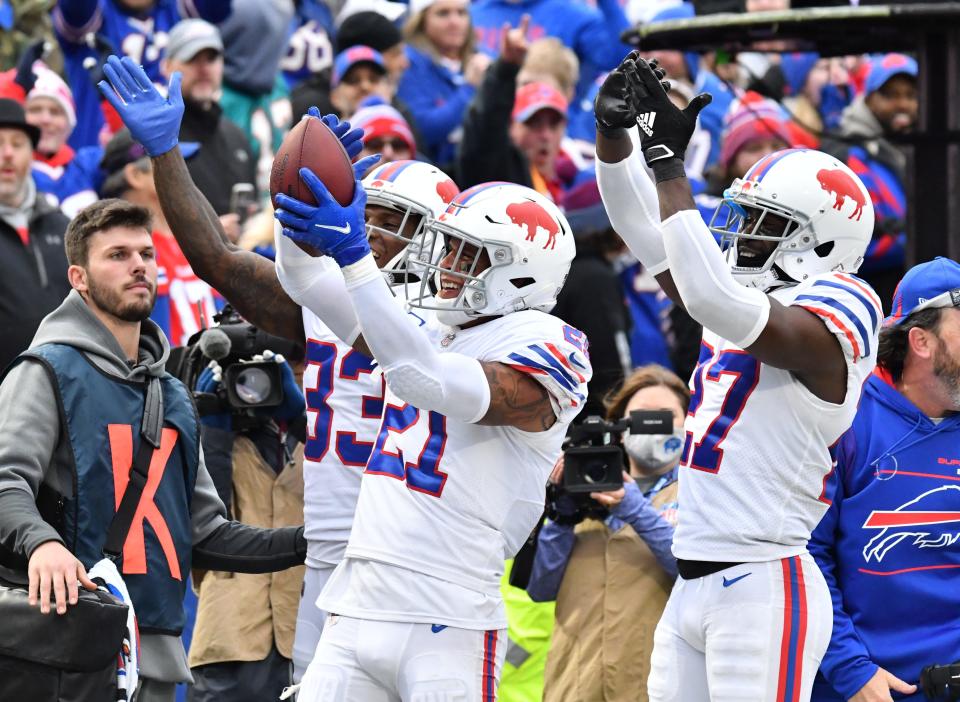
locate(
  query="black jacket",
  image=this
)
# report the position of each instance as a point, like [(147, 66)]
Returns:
[(225, 157), (33, 278), (486, 152)]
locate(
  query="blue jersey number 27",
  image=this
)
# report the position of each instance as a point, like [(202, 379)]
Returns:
[(707, 454), (422, 474)]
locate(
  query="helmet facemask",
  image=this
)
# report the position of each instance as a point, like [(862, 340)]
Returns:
[(409, 232), (453, 260)]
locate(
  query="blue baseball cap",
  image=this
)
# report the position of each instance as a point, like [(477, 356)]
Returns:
[(348, 58), (927, 285), (883, 68)]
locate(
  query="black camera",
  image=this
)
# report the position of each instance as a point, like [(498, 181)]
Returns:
[(941, 682), (593, 461), (246, 384)]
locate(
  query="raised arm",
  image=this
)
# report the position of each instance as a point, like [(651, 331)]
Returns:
[(247, 280), (787, 337)]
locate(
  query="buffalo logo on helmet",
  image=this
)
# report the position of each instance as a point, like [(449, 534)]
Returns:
[(447, 190), (532, 216), (839, 183), (930, 521)]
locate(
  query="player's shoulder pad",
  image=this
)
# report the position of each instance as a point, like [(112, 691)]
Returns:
[(848, 306), (550, 350)]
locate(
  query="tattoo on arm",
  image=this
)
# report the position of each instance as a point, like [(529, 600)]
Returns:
[(248, 280), (516, 400)]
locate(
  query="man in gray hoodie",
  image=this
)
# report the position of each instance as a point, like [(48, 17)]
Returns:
[(71, 420)]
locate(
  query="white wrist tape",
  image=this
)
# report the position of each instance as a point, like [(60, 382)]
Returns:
[(708, 289), (317, 284), (449, 383), (630, 198)]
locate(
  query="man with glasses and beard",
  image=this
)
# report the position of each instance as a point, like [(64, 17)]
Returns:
[(888, 544), (71, 410)]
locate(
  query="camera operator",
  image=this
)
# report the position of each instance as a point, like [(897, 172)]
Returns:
[(256, 461), (611, 574)]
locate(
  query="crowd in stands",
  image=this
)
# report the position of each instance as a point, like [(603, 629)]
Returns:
[(490, 90)]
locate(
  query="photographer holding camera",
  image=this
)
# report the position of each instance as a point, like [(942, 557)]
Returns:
[(607, 560), (252, 430)]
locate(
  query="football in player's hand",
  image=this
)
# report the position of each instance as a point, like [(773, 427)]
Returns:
[(311, 144)]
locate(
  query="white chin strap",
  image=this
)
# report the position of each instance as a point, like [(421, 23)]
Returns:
[(451, 317)]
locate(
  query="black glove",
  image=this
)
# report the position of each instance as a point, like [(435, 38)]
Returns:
[(665, 129), (25, 77), (612, 108)]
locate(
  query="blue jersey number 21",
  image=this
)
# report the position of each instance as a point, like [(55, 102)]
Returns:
[(421, 473), (707, 454)]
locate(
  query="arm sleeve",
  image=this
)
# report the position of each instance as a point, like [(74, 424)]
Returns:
[(846, 663), (317, 284), (554, 546), (657, 533), (238, 548), (29, 431), (206, 508), (449, 383), (706, 285), (630, 199)]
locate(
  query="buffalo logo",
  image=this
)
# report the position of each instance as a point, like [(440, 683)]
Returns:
[(917, 522), (841, 186), (532, 216), (377, 184), (447, 190)]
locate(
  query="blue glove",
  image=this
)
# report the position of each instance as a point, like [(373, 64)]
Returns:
[(209, 381), (153, 120), (329, 227), (293, 405)]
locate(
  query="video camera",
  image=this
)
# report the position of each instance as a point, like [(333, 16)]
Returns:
[(593, 461), (941, 682), (247, 385)]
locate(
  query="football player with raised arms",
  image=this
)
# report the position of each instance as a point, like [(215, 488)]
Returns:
[(481, 386), (343, 388), (790, 335)]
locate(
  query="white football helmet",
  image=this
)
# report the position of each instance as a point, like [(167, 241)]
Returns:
[(526, 238), (828, 213), (413, 188)]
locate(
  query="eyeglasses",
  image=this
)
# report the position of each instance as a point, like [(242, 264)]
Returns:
[(950, 298)]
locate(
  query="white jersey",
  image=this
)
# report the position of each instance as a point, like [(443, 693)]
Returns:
[(344, 395), (759, 444), (444, 503)]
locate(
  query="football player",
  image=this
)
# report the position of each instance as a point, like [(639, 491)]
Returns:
[(343, 389), (790, 335), (481, 386)]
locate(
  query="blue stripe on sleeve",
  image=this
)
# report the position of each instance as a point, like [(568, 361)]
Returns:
[(871, 308), (843, 309)]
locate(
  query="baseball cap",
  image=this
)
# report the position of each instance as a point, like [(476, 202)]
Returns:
[(534, 97), (883, 68), (12, 117), (348, 58), (381, 120), (191, 36), (927, 285), (123, 149)]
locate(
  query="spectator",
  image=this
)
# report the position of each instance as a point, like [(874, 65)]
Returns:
[(593, 32), (892, 579), (225, 157), (816, 91), (888, 108), (515, 135), (310, 51), (137, 28), (34, 279), (254, 40), (184, 304), (258, 472), (444, 73), (22, 23), (592, 298), (385, 132), (358, 73), (369, 28), (611, 578), (68, 411)]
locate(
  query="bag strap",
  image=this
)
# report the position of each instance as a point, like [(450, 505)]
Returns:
[(150, 430)]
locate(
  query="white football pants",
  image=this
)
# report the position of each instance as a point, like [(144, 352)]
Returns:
[(310, 619), (755, 632), (362, 660)]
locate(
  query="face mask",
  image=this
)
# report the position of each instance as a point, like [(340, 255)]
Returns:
[(654, 451)]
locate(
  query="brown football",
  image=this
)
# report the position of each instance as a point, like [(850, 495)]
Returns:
[(311, 144)]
